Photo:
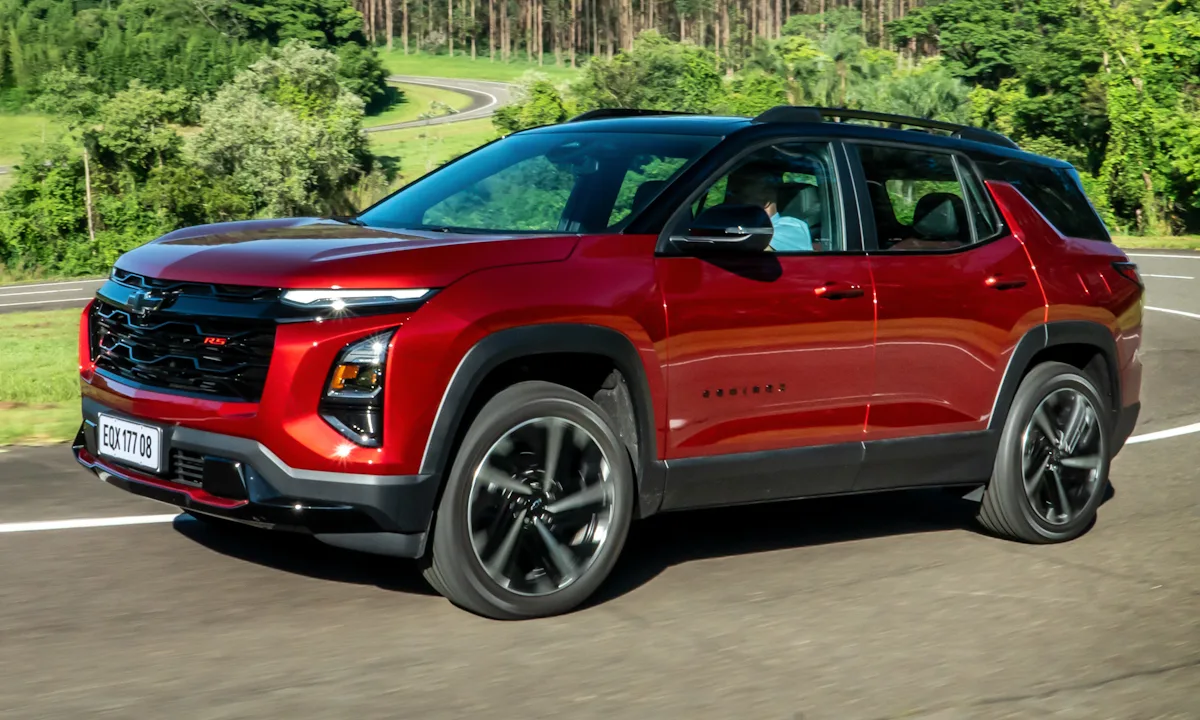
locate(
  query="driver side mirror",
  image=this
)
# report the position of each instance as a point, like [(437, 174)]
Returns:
[(728, 228)]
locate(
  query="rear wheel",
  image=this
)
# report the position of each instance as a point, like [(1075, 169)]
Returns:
[(536, 507), (1051, 470)]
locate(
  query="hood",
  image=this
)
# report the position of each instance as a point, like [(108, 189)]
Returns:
[(318, 253)]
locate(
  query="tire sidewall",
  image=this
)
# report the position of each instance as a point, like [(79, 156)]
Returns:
[(519, 404), (1037, 386)]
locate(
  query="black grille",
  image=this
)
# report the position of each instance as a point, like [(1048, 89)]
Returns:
[(227, 357), (205, 290), (187, 467)]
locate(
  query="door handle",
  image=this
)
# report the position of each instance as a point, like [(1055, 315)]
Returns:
[(1005, 282), (838, 291)]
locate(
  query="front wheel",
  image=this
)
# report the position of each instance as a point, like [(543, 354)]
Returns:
[(536, 507), (1051, 471)]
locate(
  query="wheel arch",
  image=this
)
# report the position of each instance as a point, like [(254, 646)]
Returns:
[(1087, 345), (494, 352)]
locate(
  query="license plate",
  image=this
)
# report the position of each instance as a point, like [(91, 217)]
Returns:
[(130, 442)]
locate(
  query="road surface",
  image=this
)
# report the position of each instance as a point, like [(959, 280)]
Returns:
[(858, 608), (47, 295), (486, 98)]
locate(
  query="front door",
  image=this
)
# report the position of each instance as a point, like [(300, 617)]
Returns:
[(769, 353), (955, 294)]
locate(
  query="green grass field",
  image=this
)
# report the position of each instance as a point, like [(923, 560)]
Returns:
[(422, 149), (39, 377), (462, 66), (1174, 242), (418, 99), (17, 131)]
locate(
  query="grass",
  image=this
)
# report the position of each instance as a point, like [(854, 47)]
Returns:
[(1164, 242), (462, 66), (422, 149), (39, 376), (418, 99), (19, 130)]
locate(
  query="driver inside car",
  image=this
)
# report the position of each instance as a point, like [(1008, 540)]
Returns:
[(759, 184)]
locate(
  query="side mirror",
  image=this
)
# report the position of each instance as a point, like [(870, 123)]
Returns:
[(738, 228)]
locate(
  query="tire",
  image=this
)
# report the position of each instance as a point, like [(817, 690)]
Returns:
[(1078, 477), (506, 432)]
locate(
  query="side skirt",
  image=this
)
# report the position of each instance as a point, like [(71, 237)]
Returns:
[(846, 468)]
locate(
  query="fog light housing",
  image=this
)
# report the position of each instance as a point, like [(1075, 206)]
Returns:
[(353, 398)]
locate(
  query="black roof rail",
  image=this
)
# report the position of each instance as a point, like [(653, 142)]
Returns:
[(621, 112), (792, 113)]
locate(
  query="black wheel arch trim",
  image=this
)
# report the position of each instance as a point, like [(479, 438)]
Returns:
[(1049, 335), (528, 340)]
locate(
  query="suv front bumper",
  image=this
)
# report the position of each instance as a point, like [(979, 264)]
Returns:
[(384, 514)]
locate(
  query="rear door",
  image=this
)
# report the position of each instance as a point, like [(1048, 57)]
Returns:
[(769, 360), (955, 292)]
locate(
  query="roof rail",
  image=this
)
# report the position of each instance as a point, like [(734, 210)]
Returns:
[(791, 113), (621, 112)]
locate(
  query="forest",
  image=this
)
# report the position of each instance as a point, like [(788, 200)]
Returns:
[(187, 111)]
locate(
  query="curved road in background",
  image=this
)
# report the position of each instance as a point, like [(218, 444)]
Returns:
[(486, 97)]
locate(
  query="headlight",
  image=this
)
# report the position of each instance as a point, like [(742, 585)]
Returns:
[(353, 401), (338, 299)]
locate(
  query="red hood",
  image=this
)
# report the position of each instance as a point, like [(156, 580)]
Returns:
[(315, 253)]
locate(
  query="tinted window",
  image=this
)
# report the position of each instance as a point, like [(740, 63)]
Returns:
[(918, 200), (796, 185), (1057, 194), (543, 182)]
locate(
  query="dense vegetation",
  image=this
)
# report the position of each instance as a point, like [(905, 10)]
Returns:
[(190, 111), (1113, 90)]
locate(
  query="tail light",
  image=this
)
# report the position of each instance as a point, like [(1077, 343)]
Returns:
[(1130, 272)]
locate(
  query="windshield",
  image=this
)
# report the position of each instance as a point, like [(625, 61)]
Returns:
[(543, 182)]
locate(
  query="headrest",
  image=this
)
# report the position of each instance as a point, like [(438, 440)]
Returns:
[(941, 216), (646, 192)]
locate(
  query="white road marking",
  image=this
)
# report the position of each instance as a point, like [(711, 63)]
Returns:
[(86, 523), (1169, 257), (1174, 312), (45, 302), (1164, 434), (53, 284), (1172, 277), (4, 294)]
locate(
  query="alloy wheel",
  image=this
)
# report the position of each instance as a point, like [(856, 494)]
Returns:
[(1062, 456), (540, 506)]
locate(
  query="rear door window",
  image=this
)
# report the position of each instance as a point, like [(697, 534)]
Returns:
[(919, 202)]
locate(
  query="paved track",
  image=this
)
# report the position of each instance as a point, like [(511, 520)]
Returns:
[(872, 607), (47, 296), (486, 98)]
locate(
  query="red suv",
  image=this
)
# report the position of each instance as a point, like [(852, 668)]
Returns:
[(498, 367)]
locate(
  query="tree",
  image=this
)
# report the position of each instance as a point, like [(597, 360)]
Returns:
[(536, 102), (656, 74), (285, 132)]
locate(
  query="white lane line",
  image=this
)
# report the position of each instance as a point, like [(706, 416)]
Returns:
[(45, 302), (1174, 312), (1164, 434), (1169, 257), (54, 284), (4, 294), (85, 523), (1171, 277)]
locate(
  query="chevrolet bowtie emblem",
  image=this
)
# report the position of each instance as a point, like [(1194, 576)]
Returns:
[(144, 302)]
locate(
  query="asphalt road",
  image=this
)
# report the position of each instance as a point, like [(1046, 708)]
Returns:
[(845, 609), (486, 98), (47, 295)]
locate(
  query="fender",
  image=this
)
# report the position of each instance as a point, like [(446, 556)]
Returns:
[(504, 345), (1042, 337)]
